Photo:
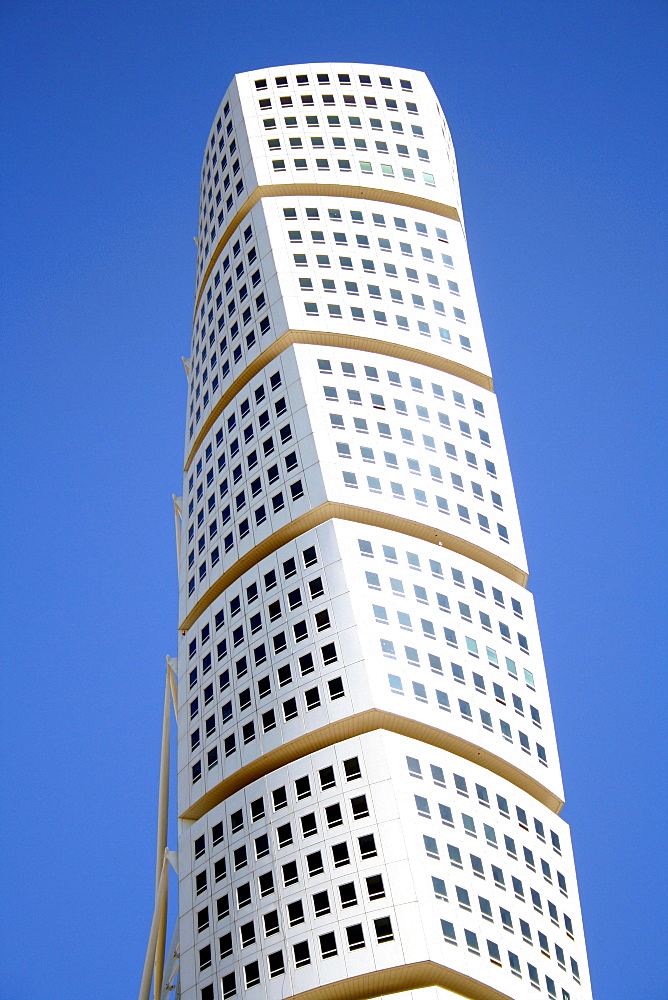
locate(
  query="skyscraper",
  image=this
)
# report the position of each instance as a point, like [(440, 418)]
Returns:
[(368, 779)]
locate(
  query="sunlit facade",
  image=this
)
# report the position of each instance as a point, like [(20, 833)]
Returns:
[(368, 777)]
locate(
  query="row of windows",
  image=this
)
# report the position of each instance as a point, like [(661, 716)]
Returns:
[(420, 594), (278, 799), (398, 492), (365, 167), (334, 121), (443, 603), (379, 316), (429, 632), (338, 142), (341, 855), (367, 454), (289, 569), (482, 796), (284, 835), (356, 216), (374, 291), (361, 240), (239, 437), (328, 100), (436, 569), (290, 710), (396, 296), (279, 502), (218, 162), (285, 101), (435, 472), (445, 814), (301, 954), (364, 79), (203, 253), (443, 701), (236, 274), (266, 453), (312, 698), (413, 659), (494, 954), (274, 505), (306, 666), (402, 323), (227, 183), (454, 855), (413, 382), (296, 912), (377, 402), (267, 385)]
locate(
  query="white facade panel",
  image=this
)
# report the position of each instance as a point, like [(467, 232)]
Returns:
[(368, 775)]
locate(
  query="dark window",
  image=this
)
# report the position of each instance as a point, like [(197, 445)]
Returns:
[(301, 953), (368, 846), (315, 864), (352, 768), (328, 945), (340, 854)]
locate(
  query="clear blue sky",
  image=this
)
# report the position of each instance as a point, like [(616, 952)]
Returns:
[(557, 111)]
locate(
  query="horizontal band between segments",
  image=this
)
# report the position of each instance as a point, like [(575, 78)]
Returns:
[(322, 190), (400, 979), (369, 721), (360, 515), (349, 341)]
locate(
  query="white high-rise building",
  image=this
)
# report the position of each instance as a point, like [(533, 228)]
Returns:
[(368, 778)]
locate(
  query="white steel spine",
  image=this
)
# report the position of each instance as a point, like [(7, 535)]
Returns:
[(368, 778)]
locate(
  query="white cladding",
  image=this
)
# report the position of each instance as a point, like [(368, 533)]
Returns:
[(367, 765)]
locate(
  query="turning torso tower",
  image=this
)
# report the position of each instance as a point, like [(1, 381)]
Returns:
[(368, 778)]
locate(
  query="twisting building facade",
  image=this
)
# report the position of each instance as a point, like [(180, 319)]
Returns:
[(368, 778)]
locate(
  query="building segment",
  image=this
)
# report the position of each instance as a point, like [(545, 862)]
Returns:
[(368, 778)]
